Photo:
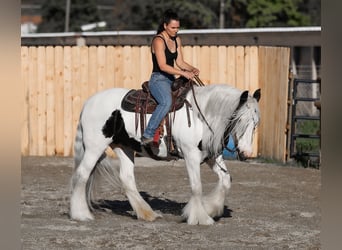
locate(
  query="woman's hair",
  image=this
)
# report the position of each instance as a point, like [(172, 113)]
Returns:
[(167, 17)]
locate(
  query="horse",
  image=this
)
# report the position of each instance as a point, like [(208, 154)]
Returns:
[(216, 112)]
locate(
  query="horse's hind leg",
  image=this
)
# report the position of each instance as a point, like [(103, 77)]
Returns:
[(79, 209), (139, 205)]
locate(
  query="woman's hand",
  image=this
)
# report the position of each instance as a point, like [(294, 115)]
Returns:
[(195, 71), (188, 74)]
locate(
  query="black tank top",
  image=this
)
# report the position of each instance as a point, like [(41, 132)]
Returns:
[(170, 57)]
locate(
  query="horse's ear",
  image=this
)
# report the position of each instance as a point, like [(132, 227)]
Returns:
[(257, 95), (243, 97)]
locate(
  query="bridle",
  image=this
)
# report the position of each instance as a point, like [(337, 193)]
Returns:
[(226, 133), (230, 125)]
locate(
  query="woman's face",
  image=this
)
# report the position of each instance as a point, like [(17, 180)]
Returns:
[(172, 28)]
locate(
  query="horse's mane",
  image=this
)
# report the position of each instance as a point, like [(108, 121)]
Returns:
[(217, 102)]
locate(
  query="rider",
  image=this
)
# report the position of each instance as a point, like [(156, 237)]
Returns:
[(166, 49)]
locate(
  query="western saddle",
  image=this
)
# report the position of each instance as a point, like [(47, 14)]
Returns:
[(141, 102)]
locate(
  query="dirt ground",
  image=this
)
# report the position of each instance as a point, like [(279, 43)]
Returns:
[(268, 207)]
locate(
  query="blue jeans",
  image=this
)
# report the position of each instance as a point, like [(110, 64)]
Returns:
[(160, 88)]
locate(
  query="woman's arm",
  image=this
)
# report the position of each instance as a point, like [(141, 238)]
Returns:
[(158, 47), (180, 61)]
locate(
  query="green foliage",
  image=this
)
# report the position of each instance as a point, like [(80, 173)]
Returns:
[(199, 14), (146, 15), (307, 145), (81, 12), (268, 13)]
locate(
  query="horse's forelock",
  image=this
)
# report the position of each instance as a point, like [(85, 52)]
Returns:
[(247, 114)]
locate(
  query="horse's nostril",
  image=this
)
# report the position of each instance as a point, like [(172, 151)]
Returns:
[(242, 156)]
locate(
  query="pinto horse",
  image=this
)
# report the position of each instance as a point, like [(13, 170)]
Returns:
[(216, 112)]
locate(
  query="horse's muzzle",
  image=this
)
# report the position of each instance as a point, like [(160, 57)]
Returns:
[(241, 155)]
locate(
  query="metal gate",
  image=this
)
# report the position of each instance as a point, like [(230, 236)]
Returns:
[(305, 136)]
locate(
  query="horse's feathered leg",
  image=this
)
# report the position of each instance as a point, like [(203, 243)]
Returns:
[(139, 205), (214, 201), (88, 149), (194, 211), (79, 209)]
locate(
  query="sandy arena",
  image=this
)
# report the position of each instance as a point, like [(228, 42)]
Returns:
[(269, 206)]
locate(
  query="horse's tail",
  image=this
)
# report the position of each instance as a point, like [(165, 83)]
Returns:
[(78, 146), (106, 168)]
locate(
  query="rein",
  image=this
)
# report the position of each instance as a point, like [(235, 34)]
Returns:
[(200, 83)]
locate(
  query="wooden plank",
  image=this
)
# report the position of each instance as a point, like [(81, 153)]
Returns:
[(50, 101), (41, 101), (25, 76), (240, 67), (84, 69), (253, 68), (262, 145), (92, 70), (135, 81), (231, 66), (196, 50), (284, 57), (273, 55), (109, 78), (222, 64), (145, 63), (270, 102), (126, 67), (101, 71), (33, 102), (213, 64), (272, 112), (59, 100), (187, 54), (254, 85), (204, 64), (76, 88), (247, 62), (118, 63), (68, 139)]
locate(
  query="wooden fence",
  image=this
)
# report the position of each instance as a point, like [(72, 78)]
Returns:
[(57, 80)]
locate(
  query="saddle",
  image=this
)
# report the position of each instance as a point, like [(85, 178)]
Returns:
[(141, 102)]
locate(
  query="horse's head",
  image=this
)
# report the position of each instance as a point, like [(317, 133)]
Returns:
[(244, 122)]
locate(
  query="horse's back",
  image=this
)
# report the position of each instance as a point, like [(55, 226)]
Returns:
[(107, 100), (99, 107)]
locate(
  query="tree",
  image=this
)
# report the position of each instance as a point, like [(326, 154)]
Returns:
[(81, 12), (236, 14), (313, 9), (146, 15), (267, 13), (200, 14)]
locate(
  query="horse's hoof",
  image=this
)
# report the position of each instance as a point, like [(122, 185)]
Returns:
[(206, 221), (150, 216), (88, 217)]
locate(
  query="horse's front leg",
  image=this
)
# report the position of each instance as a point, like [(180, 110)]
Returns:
[(214, 201), (194, 211)]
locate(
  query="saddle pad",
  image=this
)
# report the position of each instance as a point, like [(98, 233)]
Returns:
[(138, 101)]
